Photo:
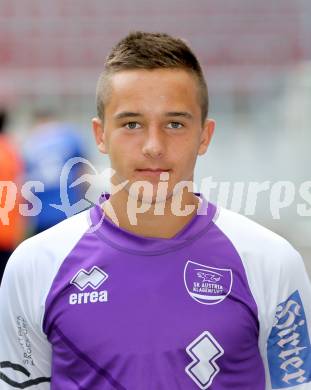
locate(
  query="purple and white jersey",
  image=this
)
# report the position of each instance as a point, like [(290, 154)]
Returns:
[(225, 304)]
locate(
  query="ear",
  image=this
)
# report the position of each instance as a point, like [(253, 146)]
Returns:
[(206, 135), (99, 135)]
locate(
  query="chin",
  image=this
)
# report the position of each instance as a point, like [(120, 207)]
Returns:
[(150, 199)]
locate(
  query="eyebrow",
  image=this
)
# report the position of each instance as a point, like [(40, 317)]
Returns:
[(180, 113), (129, 114)]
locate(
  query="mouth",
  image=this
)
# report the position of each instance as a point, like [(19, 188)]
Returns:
[(153, 172)]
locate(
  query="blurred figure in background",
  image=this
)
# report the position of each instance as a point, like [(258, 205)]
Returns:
[(12, 224), (48, 147)]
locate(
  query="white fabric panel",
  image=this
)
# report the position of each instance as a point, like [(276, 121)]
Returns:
[(274, 271), (25, 286)]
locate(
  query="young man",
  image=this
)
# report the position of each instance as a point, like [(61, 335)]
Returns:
[(181, 295)]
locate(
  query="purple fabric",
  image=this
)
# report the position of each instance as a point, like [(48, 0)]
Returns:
[(137, 338)]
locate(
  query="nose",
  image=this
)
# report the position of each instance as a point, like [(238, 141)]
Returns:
[(154, 143)]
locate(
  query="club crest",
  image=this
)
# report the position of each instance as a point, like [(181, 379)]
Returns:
[(207, 285)]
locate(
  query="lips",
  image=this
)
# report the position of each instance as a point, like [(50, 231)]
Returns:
[(151, 172)]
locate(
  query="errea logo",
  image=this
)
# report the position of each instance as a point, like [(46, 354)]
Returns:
[(94, 279)]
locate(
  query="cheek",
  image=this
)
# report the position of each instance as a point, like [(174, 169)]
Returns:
[(125, 144), (118, 147), (186, 153), (121, 159)]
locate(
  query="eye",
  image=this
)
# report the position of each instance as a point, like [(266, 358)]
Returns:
[(132, 125), (175, 125)]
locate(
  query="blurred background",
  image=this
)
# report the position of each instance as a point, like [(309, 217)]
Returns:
[(257, 60)]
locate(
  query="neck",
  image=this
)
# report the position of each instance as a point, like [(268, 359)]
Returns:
[(162, 220)]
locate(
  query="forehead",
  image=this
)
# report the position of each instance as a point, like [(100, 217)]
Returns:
[(153, 91)]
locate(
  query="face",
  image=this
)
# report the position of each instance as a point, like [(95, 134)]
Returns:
[(152, 125)]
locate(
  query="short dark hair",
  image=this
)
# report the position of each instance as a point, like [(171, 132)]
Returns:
[(144, 50)]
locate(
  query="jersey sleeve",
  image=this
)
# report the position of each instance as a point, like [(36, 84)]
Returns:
[(288, 348), (25, 353), (281, 288)]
